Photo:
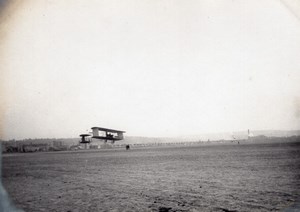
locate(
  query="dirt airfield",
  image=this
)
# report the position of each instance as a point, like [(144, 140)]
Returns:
[(245, 177)]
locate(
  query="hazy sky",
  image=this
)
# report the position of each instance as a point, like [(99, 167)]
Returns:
[(149, 67)]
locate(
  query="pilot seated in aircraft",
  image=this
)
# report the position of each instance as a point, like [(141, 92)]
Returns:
[(110, 135)]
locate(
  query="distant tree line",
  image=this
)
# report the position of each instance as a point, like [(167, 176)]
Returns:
[(37, 145)]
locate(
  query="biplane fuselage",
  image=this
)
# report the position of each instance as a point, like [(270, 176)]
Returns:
[(107, 134), (103, 134)]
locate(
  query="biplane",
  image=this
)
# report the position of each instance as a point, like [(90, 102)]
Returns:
[(103, 134)]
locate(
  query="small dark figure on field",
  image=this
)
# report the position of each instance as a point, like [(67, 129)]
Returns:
[(127, 147)]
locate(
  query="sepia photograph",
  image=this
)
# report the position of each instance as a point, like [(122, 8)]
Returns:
[(150, 105)]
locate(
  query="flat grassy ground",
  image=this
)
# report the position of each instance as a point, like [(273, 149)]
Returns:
[(245, 177)]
